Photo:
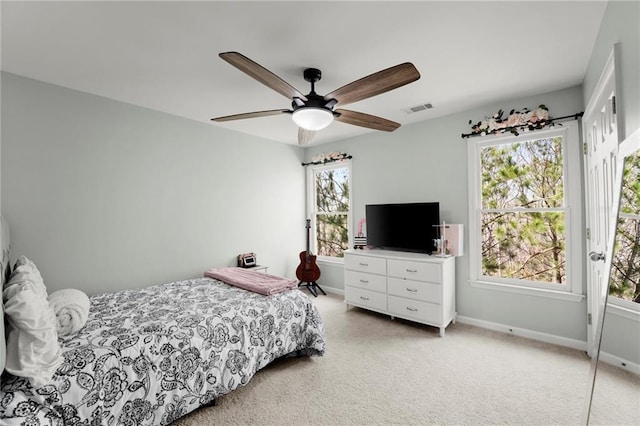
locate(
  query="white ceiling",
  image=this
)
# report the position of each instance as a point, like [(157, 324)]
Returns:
[(164, 55)]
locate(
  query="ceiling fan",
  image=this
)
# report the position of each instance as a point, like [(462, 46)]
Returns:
[(313, 112)]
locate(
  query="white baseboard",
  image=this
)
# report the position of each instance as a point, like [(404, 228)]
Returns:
[(619, 362), (522, 332), (333, 290)]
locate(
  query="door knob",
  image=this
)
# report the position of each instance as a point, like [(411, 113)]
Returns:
[(596, 256)]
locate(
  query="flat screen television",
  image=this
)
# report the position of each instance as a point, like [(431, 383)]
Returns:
[(403, 226)]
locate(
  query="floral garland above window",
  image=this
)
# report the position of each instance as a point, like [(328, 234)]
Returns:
[(515, 122), (328, 157)]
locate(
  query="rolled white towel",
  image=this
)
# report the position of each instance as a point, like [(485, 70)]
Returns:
[(71, 307)]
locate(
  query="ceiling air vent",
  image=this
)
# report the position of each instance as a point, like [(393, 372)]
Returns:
[(420, 108)]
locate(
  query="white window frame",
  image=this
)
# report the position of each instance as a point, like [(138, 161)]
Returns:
[(572, 289), (311, 205)]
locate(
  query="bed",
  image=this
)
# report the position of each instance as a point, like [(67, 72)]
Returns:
[(150, 356)]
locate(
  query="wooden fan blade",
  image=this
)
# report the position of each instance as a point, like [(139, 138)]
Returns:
[(375, 84), (251, 115), (366, 120), (261, 74), (305, 136)]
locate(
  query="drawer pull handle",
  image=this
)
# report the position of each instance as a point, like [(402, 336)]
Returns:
[(364, 281), (364, 264), (412, 270), (412, 309), (364, 298), (412, 290)]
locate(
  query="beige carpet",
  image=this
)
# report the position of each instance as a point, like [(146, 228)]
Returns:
[(379, 371)]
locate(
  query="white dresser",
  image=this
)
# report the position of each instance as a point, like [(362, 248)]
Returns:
[(413, 286)]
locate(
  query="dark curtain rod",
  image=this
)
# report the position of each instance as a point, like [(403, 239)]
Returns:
[(313, 163), (522, 126)]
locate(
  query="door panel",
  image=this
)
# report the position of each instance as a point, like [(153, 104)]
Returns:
[(601, 147)]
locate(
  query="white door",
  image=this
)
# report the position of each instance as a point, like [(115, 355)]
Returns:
[(600, 131)]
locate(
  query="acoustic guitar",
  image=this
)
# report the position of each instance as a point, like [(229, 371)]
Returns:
[(308, 271)]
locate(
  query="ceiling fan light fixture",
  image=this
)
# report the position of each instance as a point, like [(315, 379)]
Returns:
[(312, 118)]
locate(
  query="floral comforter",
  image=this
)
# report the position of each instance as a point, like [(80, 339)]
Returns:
[(150, 356)]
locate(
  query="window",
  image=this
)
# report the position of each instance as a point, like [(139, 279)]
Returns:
[(522, 189), (625, 266), (329, 200)]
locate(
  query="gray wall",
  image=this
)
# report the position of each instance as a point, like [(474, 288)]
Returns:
[(104, 195), (428, 162), (620, 24)]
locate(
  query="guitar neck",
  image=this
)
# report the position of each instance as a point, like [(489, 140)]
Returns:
[(308, 238)]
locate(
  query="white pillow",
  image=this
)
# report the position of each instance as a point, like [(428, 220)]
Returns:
[(28, 270), (32, 343)]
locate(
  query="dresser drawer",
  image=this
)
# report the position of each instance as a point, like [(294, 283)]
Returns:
[(417, 290), (373, 265), (419, 271), (414, 309), (371, 299), (365, 280)]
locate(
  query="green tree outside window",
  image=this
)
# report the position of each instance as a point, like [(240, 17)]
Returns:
[(332, 211), (522, 216)]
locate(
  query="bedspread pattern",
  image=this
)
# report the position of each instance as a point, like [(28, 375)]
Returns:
[(150, 356)]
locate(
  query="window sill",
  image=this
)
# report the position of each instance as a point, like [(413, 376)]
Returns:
[(336, 261), (530, 291)]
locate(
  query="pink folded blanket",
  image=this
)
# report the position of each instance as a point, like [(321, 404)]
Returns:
[(251, 280)]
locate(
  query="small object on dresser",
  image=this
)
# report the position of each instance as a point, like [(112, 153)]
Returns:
[(359, 242), (247, 260)]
